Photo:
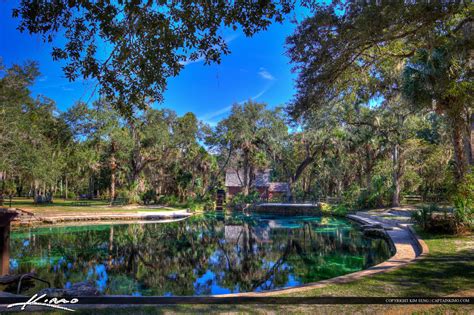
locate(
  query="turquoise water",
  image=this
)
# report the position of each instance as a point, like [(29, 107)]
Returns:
[(207, 254)]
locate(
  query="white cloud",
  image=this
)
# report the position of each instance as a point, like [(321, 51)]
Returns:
[(265, 74), (189, 61), (209, 117), (214, 114), (231, 38), (259, 94)]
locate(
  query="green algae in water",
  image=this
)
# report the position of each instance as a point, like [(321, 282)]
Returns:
[(207, 254)]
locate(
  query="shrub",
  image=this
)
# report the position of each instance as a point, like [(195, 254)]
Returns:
[(149, 196), (71, 195), (432, 219), (240, 201), (423, 215), (463, 214), (464, 204), (237, 202), (351, 196), (168, 200), (340, 210), (325, 208), (192, 205), (465, 189), (209, 205), (278, 198), (130, 197)]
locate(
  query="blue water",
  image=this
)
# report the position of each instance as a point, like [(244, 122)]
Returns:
[(206, 254)]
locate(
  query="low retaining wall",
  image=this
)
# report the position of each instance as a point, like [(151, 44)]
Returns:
[(287, 208), (30, 219)]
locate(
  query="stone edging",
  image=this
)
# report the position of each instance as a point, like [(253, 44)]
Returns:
[(405, 254), (422, 247), (35, 220)]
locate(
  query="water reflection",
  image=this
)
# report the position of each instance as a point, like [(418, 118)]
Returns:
[(209, 254)]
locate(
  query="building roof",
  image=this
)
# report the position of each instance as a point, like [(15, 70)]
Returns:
[(278, 187), (262, 179), (236, 179)]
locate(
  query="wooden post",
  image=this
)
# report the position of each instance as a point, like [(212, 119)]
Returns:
[(5, 249)]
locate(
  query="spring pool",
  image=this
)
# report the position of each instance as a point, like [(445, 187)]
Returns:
[(204, 254)]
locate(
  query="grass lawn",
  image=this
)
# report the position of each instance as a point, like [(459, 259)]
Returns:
[(447, 270), (68, 207)]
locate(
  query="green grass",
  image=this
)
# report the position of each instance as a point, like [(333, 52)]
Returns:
[(57, 203), (60, 206)]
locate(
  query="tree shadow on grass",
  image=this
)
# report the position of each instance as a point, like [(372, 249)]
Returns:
[(435, 275)]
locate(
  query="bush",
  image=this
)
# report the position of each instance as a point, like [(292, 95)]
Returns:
[(464, 204), (465, 189), (442, 223), (71, 195), (209, 205), (378, 195), (340, 210), (325, 208), (351, 196), (463, 214), (432, 219), (240, 201), (130, 196), (149, 197), (423, 215), (278, 198), (168, 200)]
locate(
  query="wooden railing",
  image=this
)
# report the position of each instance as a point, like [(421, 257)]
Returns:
[(412, 199)]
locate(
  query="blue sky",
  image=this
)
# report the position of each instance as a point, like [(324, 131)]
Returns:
[(257, 68)]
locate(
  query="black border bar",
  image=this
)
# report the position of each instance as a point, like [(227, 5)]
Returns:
[(152, 300)]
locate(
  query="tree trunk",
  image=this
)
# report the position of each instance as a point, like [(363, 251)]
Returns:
[(137, 162), (65, 187), (35, 190), (460, 156), (290, 196), (246, 167), (368, 170), (471, 141), (91, 188), (113, 169), (396, 176)]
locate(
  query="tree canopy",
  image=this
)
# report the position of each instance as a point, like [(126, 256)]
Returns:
[(371, 53), (146, 42)]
